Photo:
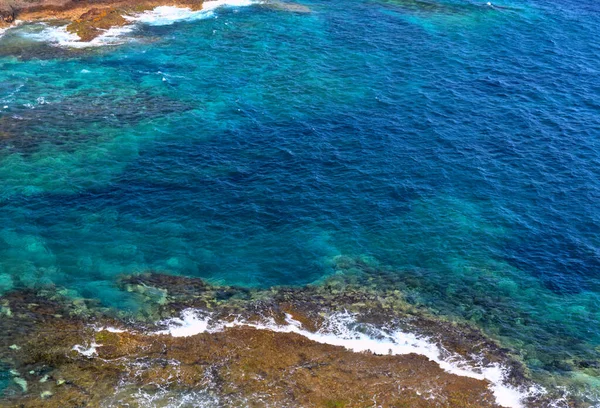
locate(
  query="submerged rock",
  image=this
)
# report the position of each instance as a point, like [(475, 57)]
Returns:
[(286, 6), (45, 394), (35, 128)]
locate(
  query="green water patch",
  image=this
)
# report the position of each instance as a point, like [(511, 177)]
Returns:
[(35, 262)]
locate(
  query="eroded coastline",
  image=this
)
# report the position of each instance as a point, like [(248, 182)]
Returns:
[(338, 343)]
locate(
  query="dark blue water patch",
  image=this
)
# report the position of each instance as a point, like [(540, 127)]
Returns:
[(564, 264), (258, 180)]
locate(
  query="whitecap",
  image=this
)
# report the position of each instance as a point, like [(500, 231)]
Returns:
[(211, 5)]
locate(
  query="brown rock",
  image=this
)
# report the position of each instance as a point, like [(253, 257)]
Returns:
[(239, 366), (94, 21), (7, 14)]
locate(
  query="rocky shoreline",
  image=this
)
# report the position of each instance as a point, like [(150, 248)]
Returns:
[(64, 352), (88, 19)]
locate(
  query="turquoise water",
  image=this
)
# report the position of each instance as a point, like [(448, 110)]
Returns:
[(454, 143)]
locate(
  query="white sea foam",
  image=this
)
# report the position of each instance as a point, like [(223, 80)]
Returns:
[(59, 36), (89, 351), (341, 330), (13, 25), (167, 15), (166, 398), (163, 15), (190, 324)]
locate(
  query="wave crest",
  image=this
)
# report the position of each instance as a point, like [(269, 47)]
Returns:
[(168, 15)]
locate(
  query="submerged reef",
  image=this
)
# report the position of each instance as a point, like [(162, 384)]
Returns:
[(240, 347), (33, 126)]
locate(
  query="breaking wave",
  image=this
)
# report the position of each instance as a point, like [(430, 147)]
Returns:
[(59, 36), (159, 16), (342, 329), (167, 15)]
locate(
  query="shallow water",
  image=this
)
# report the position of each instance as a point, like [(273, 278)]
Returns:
[(453, 143)]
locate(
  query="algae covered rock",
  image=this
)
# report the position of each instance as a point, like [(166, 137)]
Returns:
[(95, 21), (243, 347)]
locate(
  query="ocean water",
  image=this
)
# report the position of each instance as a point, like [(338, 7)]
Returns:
[(454, 143)]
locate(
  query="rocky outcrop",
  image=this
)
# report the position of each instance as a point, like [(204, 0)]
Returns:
[(62, 362), (93, 22), (90, 18), (7, 14), (62, 352), (237, 367)]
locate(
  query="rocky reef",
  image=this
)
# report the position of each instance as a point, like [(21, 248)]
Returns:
[(89, 19), (236, 367), (31, 130), (65, 352)]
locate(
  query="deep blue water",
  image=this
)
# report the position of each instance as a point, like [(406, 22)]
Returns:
[(452, 142)]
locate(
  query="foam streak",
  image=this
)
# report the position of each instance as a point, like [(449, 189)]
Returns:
[(340, 330)]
